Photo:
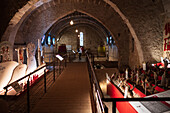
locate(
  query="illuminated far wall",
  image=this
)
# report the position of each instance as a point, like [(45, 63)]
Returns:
[(113, 53), (91, 38)]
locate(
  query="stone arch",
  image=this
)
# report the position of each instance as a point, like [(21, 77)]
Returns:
[(132, 31), (82, 24), (29, 11), (92, 37), (60, 25)]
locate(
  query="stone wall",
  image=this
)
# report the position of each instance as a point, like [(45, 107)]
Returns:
[(42, 18), (92, 39), (145, 16), (134, 57), (147, 19)]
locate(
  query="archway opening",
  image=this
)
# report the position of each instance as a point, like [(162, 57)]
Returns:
[(77, 30)]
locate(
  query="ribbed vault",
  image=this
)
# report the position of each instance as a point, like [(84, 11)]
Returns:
[(38, 16)]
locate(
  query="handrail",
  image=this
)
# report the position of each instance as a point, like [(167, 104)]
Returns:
[(96, 82), (94, 76), (31, 73), (97, 88), (114, 100), (136, 99)]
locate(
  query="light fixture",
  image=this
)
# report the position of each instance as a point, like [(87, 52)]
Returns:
[(76, 30), (58, 39), (71, 22)]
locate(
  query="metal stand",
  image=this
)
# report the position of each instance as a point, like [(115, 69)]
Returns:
[(28, 96), (45, 90)]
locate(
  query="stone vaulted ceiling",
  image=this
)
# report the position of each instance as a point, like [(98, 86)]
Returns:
[(140, 20)]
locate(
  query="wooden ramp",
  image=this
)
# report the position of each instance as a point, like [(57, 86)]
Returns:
[(69, 94)]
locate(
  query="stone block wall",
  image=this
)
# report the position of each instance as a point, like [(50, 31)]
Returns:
[(147, 19), (92, 39), (145, 16), (41, 19)]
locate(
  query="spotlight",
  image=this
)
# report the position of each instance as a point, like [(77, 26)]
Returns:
[(71, 22), (76, 30), (58, 39)]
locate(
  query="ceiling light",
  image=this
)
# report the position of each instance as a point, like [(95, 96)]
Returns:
[(76, 30), (57, 39), (71, 22)]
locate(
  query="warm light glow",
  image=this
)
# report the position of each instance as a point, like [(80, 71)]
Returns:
[(76, 31), (144, 66), (107, 81), (103, 87), (126, 72), (71, 22), (58, 39)]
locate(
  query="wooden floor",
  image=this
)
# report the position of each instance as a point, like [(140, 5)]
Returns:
[(18, 104), (69, 94)]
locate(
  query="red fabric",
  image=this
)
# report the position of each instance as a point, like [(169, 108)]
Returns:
[(143, 71), (159, 77), (159, 64), (138, 92), (152, 75), (158, 88), (82, 48), (35, 77), (168, 46), (123, 107)]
